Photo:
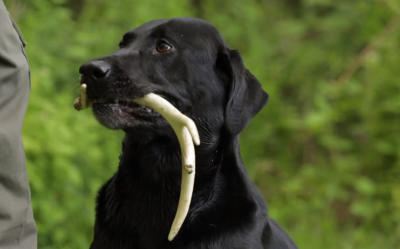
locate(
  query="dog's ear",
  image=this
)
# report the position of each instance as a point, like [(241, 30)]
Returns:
[(245, 94)]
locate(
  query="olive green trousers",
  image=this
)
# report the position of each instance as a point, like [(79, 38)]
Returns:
[(17, 226)]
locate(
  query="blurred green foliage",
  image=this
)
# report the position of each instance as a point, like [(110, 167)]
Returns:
[(325, 152)]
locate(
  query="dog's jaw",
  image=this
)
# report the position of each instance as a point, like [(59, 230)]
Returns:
[(125, 116)]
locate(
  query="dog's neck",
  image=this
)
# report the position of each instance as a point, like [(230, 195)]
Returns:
[(147, 185), (153, 168), (159, 159)]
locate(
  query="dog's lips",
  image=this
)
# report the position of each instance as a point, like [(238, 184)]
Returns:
[(129, 103), (123, 104)]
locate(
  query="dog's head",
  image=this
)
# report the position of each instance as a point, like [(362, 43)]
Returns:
[(184, 60)]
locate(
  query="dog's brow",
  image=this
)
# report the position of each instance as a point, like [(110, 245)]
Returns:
[(158, 33), (161, 34)]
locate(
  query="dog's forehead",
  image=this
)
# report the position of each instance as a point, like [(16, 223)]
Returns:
[(184, 28)]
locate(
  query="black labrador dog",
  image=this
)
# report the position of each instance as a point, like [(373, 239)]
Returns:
[(186, 61)]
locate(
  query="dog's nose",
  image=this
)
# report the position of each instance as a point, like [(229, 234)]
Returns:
[(97, 69)]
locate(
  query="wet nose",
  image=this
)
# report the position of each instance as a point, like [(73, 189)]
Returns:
[(96, 70)]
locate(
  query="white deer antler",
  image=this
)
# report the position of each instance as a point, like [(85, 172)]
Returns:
[(186, 131)]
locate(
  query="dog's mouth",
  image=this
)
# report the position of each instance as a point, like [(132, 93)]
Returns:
[(123, 112), (123, 104)]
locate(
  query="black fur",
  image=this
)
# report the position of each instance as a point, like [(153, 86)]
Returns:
[(208, 82)]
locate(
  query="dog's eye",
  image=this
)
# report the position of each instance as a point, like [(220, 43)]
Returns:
[(163, 47)]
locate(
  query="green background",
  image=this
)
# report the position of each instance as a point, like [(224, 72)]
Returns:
[(324, 152)]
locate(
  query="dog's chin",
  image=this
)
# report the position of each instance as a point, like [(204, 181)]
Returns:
[(127, 116)]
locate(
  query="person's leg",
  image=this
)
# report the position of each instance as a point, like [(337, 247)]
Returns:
[(17, 226)]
